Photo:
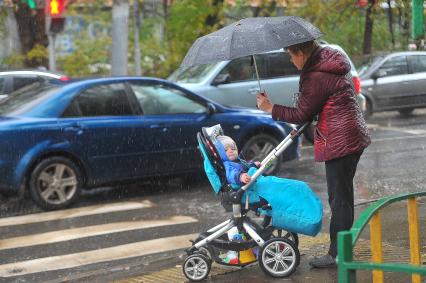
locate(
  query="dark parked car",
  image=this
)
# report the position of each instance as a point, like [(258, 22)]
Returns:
[(14, 80), (395, 81), (57, 139)]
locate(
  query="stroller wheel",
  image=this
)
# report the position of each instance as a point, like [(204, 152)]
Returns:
[(206, 252), (279, 257), (288, 235), (196, 267)]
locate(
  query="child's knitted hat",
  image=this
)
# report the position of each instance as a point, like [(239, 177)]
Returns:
[(226, 142)]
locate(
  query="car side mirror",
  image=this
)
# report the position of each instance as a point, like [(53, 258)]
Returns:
[(379, 74), (221, 79), (211, 109)]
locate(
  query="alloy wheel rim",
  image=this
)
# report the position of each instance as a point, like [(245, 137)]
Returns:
[(196, 268), (57, 183), (278, 257)]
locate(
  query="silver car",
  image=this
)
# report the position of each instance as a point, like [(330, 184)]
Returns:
[(234, 82), (395, 81)]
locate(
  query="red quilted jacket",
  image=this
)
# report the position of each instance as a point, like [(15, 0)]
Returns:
[(326, 89)]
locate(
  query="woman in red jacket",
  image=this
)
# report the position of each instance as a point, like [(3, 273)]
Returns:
[(341, 134)]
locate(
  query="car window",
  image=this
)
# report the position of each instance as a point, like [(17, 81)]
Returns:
[(26, 98), (193, 74), (418, 63), (160, 100), (395, 66), (21, 81), (280, 65), (104, 100), (239, 70), (242, 69)]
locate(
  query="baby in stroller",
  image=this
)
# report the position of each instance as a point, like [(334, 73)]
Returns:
[(290, 204), (236, 168)]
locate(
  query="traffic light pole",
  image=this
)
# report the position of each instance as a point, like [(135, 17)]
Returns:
[(52, 58)]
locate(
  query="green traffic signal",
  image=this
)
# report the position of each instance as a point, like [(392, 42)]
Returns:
[(418, 30), (31, 3)]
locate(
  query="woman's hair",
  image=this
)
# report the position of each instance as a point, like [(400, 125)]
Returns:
[(306, 47)]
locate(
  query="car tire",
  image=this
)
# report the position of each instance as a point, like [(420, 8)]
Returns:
[(258, 147), (406, 111), (55, 183), (368, 109)]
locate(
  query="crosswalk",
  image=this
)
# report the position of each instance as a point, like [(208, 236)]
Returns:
[(60, 240)]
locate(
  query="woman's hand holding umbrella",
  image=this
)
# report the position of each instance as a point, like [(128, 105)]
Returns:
[(263, 102)]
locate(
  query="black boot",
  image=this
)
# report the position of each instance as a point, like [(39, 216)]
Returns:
[(323, 262)]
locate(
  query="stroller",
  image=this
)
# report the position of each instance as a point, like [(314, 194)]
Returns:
[(288, 207)]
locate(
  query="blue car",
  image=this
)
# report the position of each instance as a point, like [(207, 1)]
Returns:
[(56, 140)]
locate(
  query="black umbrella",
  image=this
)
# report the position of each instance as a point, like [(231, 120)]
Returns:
[(248, 37)]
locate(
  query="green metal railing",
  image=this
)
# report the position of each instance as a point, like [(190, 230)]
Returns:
[(347, 240)]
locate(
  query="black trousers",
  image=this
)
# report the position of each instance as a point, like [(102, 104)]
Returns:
[(340, 174)]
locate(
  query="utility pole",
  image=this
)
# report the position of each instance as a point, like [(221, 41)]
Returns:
[(137, 47), (120, 32), (50, 36), (418, 21)]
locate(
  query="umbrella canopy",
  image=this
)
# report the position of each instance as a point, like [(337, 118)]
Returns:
[(248, 37)]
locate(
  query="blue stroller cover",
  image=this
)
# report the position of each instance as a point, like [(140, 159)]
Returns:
[(295, 207)]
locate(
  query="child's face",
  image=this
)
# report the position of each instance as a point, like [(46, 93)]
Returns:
[(231, 152)]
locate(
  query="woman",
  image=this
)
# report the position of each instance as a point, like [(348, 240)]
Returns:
[(340, 136)]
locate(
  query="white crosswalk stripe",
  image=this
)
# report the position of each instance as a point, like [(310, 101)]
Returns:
[(89, 231), (74, 212), (100, 255), (86, 256)]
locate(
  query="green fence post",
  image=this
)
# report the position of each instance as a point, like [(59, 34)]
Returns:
[(344, 242)]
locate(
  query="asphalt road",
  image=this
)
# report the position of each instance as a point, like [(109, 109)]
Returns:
[(141, 230)]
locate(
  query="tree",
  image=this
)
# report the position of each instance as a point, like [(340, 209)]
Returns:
[(368, 29), (31, 29)]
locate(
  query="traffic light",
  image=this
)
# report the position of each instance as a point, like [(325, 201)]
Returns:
[(31, 4), (418, 29), (55, 10)]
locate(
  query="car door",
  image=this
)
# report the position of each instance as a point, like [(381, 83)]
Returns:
[(173, 118), (278, 77), (418, 79), (390, 84), (282, 78), (102, 121)]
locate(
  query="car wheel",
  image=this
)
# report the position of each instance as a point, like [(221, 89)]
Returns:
[(258, 147), (406, 111), (309, 134), (55, 183)]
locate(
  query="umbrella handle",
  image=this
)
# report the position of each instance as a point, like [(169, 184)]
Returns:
[(257, 73)]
